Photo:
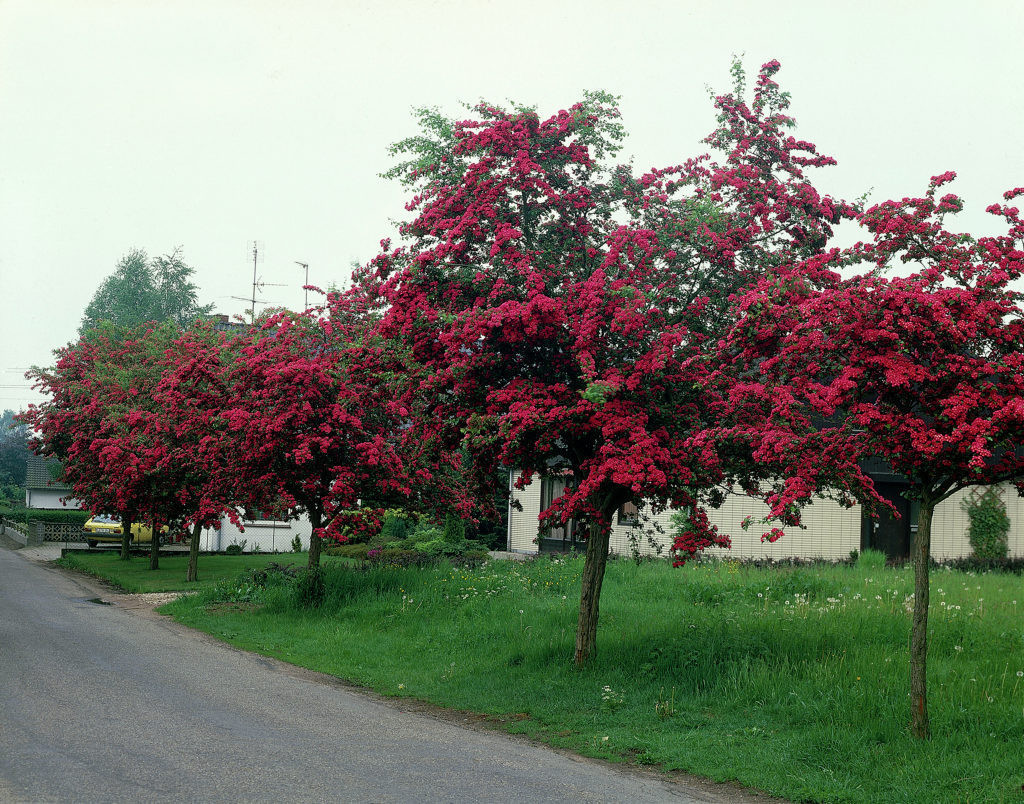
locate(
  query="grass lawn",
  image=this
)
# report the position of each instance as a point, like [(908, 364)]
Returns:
[(793, 681), (136, 576)]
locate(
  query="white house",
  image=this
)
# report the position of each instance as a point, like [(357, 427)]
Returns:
[(832, 532), (42, 490), (266, 535)]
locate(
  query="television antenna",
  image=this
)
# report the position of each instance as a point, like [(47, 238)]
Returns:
[(305, 285), (257, 281)]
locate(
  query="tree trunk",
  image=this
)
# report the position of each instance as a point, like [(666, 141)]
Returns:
[(154, 546), (919, 725), (590, 591), (126, 534), (314, 539), (193, 554)]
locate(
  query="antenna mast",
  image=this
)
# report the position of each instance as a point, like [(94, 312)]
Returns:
[(305, 265), (257, 256)]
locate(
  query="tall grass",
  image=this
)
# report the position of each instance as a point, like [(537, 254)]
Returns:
[(794, 681)]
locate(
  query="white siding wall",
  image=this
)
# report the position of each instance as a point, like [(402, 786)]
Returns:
[(522, 525), (259, 536), (830, 532), (950, 525), (48, 499)]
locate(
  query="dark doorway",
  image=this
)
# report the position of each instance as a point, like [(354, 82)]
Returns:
[(561, 539), (888, 533)]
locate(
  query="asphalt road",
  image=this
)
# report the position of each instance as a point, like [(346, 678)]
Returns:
[(98, 703)]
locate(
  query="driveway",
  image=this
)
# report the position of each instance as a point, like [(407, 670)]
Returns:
[(103, 703)]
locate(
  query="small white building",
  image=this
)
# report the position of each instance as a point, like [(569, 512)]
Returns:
[(260, 535), (42, 488), (831, 532)]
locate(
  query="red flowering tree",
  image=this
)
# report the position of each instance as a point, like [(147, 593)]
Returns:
[(99, 421), (316, 426), (925, 371), (192, 396), (565, 311)]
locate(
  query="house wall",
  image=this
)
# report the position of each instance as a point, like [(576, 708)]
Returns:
[(950, 525), (262, 536), (832, 532), (522, 525), (49, 499)]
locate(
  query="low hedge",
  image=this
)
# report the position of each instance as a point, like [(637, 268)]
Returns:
[(402, 557), (60, 516)]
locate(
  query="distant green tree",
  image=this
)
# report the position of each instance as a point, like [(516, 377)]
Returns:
[(13, 456), (141, 290)]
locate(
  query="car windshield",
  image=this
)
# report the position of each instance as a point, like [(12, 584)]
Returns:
[(106, 519)]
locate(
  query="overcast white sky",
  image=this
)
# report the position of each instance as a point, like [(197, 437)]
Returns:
[(207, 125)]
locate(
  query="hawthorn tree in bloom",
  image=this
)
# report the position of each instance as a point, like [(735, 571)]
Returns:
[(925, 371), (566, 312), (96, 421), (316, 425), (191, 395)]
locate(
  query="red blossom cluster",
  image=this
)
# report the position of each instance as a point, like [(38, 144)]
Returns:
[(358, 525)]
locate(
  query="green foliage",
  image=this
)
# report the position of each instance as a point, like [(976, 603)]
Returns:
[(598, 392), (235, 548), (454, 529), (394, 528), (141, 290), (309, 588), (297, 545), (56, 516), (989, 523), (871, 560), (357, 551), (14, 453)]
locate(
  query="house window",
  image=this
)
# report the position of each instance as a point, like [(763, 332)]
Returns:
[(551, 488), (629, 514), (255, 515)]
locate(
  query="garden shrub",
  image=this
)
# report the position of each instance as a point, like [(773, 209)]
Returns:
[(348, 550), (975, 564), (871, 559), (395, 527), (989, 523), (59, 516), (391, 557), (454, 529)]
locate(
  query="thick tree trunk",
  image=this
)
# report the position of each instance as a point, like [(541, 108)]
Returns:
[(314, 539), (590, 592), (126, 534), (154, 546), (193, 554), (919, 725)]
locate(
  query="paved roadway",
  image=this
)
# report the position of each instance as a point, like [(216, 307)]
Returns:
[(99, 703)]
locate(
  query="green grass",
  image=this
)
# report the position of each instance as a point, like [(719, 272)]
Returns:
[(793, 681), (136, 576)]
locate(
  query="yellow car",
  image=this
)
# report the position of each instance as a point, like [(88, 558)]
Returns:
[(107, 529)]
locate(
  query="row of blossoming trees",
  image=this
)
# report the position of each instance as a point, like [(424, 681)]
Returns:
[(660, 340)]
